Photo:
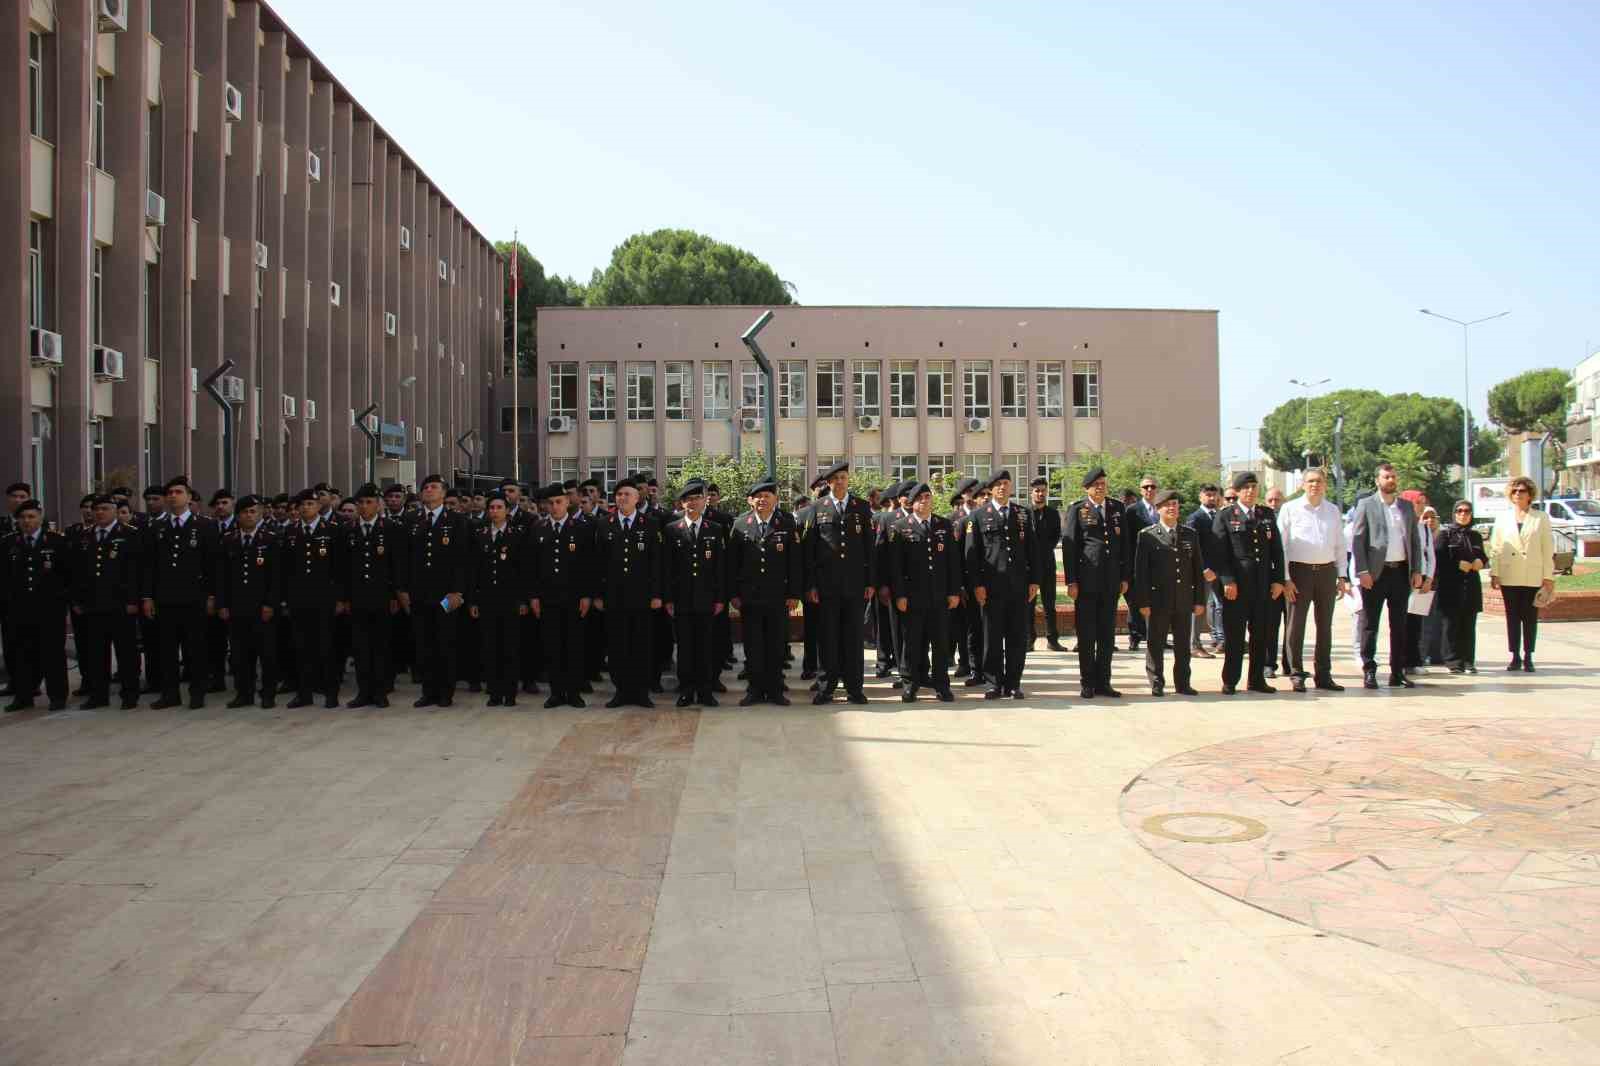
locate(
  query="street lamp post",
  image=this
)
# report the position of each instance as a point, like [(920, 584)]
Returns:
[(1250, 446), (1308, 386), (1466, 393)]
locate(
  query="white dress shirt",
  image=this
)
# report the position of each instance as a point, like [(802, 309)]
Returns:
[(1395, 551), (1311, 534)]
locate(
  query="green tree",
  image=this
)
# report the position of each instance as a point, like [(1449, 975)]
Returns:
[(1184, 472), (734, 476), (1411, 465), (535, 289), (1533, 401), (676, 266)]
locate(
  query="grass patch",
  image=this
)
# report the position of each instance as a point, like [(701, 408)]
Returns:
[(1583, 577)]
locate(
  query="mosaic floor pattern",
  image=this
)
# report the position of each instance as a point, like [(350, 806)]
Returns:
[(1470, 842)]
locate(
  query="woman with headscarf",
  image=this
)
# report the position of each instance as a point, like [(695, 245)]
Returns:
[(1522, 561), (1459, 551), (1427, 525)]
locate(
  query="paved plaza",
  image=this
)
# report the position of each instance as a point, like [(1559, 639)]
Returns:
[(1359, 878)]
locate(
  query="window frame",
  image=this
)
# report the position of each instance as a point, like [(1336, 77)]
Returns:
[(526, 421), (679, 375), (863, 372), (978, 464), (605, 374), (604, 468), (792, 382), (36, 274), (1013, 374), (641, 378), (97, 296), (1043, 373), (901, 373), (976, 372), (752, 391), (1045, 466), (563, 468), (36, 85), (1089, 369), (97, 129), (834, 369), (712, 373), (557, 375), (900, 469), (943, 373), (940, 463)]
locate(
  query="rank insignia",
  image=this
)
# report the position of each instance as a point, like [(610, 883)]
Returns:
[(779, 545), (445, 540), (194, 540), (572, 545), (502, 554), (380, 549), (113, 551), (322, 550), (261, 560), (939, 547), (708, 553)]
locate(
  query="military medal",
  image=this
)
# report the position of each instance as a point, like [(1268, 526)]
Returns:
[(380, 549), (572, 545), (194, 540), (779, 544), (322, 550), (445, 540)]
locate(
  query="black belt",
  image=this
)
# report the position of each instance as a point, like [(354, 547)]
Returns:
[(1314, 566), (1395, 565)]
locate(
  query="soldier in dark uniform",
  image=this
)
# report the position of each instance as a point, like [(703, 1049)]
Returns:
[(436, 575), (249, 595), (375, 549), (630, 550), (958, 618), (1169, 587), (1003, 569), (1044, 526), (17, 493), (887, 621), (592, 509), (498, 600), (85, 519), (695, 590), (561, 583), (35, 583), (105, 602), (721, 624), (841, 580), (469, 649), (396, 513), (1249, 564), (155, 510), (312, 565), (1098, 555), (179, 576), (808, 611), (925, 574), (764, 577), (222, 507)]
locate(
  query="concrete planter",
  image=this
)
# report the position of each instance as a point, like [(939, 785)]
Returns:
[(1578, 606)]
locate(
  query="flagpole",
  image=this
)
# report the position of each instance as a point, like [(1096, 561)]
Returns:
[(516, 363)]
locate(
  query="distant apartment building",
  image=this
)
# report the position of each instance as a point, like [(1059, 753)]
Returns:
[(1582, 473), (905, 391), (190, 185)]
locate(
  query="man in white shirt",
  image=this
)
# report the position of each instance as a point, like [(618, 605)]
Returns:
[(1382, 538), (1312, 532)]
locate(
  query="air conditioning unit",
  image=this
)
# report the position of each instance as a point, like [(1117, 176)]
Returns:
[(107, 364), (313, 166), (559, 424), (441, 349), (46, 347), (418, 438), (261, 256), (194, 379), (335, 294), (232, 388), (391, 323), (232, 103), (155, 208), (405, 238), (311, 410), (867, 421), (461, 370), (977, 425), (288, 407), (444, 270), (749, 425), (113, 16)]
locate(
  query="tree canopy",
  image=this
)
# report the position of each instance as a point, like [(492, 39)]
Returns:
[(1184, 471), (1533, 401), (677, 266), (1373, 422), (536, 289)]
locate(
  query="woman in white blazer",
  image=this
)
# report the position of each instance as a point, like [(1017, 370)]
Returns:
[(1522, 561)]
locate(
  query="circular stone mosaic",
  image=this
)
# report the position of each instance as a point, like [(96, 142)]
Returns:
[(1470, 842)]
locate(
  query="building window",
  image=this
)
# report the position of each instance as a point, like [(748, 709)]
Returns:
[(941, 389), (152, 311), (152, 457), (641, 392), (36, 85), (1047, 387), (792, 389), (868, 389), (516, 419), (675, 467), (603, 468), (824, 462), (978, 466), (902, 467), (1086, 390), (975, 389), (1049, 463), (1013, 388), (753, 391), (718, 388), (603, 394), (97, 453), (830, 389), (36, 274), (940, 465), (563, 469), (867, 466), (98, 145), (680, 390), (564, 389), (641, 466), (903, 388), (1017, 463), (97, 290)]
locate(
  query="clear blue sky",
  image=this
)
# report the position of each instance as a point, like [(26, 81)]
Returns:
[(1317, 174)]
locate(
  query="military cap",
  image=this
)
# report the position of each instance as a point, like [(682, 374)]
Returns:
[(95, 499), (589, 483), (817, 482), (626, 483), (493, 496), (173, 483), (303, 496), (1243, 478), (1094, 475), (120, 493), (763, 486), (280, 498), (964, 486), (1166, 495), (247, 501), (88, 500), (432, 479), (321, 486), (1039, 482), (570, 483), (650, 482), (153, 490), (1003, 475), (30, 505), (220, 495), (712, 486), (454, 491), (369, 491), (508, 483), (395, 489), (836, 468), (693, 487), (918, 489)]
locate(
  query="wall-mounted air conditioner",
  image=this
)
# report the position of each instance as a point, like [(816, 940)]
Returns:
[(418, 437), (113, 16), (865, 422), (335, 294), (391, 323), (977, 425), (560, 423), (232, 388), (107, 364), (261, 256), (194, 379), (155, 208), (288, 407), (405, 238), (444, 270), (749, 424), (311, 410), (313, 166), (46, 347), (232, 103)]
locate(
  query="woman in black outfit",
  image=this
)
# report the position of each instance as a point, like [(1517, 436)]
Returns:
[(1458, 549)]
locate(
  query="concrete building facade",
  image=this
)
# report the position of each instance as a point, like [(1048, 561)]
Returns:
[(1582, 468), (190, 185), (901, 390)]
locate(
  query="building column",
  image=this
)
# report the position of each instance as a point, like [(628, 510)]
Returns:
[(313, 362), (74, 238), (16, 194)]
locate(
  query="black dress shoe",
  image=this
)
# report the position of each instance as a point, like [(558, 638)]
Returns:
[(239, 701), (645, 701), (23, 705), (994, 694), (1328, 684), (778, 698), (859, 698), (945, 695), (1527, 665), (424, 701), (197, 702), (574, 700), (508, 701), (492, 701), (1271, 672), (331, 701), (1369, 679), (1261, 687), (1514, 664), (908, 696), (962, 671), (554, 701), (268, 703), (473, 686), (130, 703), (1018, 694), (1087, 692), (447, 701), (1157, 691), (708, 700), (298, 702), (819, 698), (1229, 690), (1401, 681), (380, 701), (1107, 690), (1055, 645), (616, 701), (976, 681), (685, 700), (884, 670), (92, 705), (1186, 690), (1298, 684), (750, 700), (808, 675)]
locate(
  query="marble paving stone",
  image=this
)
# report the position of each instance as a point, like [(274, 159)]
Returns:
[(862, 949), (885, 1024)]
